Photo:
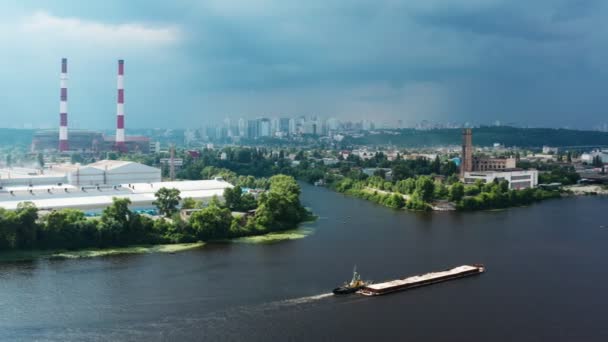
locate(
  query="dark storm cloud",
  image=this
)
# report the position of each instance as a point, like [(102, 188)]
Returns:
[(537, 62)]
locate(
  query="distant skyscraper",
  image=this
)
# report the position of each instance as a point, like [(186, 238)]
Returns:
[(264, 125), (242, 125), (252, 129), (333, 124), (284, 125), (292, 127), (274, 126)]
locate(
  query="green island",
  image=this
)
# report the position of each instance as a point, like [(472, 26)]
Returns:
[(423, 185), (68, 233)]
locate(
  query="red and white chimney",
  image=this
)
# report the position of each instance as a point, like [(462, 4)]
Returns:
[(120, 109), (63, 107)]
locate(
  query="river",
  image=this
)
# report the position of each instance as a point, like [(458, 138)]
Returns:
[(546, 280)]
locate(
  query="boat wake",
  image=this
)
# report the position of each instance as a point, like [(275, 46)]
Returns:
[(304, 300)]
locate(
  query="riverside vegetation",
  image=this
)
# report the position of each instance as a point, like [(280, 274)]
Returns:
[(415, 184), (277, 209), (418, 184)]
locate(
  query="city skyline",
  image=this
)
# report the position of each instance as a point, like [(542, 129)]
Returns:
[(199, 62)]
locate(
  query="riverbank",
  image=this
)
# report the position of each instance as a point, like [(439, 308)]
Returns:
[(472, 198), (582, 190), (268, 238)]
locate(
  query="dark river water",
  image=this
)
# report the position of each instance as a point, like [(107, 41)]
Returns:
[(546, 280)]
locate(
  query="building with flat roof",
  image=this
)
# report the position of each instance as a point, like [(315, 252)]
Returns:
[(103, 172), (96, 198), (518, 179)]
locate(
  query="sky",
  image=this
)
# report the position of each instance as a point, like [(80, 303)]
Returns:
[(188, 62)]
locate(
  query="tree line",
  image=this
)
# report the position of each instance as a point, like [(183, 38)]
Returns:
[(276, 209)]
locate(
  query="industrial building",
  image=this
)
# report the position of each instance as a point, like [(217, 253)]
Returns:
[(101, 173), (471, 163), (518, 179), (84, 141), (96, 198), (473, 167)]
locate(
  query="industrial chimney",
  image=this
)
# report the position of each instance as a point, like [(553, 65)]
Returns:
[(120, 109), (466, 162), (63, 107)]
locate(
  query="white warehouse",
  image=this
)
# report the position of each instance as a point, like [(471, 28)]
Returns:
[(518, 179), (95, 198), (112, 172), (103, 172)]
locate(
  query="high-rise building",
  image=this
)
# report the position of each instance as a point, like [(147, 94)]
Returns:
[(264, 130), (333, 124), (274, 126), (242, 126), (293, 129), (284, 125), (252, 129)]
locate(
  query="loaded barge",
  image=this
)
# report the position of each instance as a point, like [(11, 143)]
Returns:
[(421, 280)]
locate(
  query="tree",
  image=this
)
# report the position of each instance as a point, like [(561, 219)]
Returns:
[(395, 201), (425, 188), (280, 207), (118, 211), (232, 198), (406, 186), (380, 173), (25, 225), (167, 201), (8, 233), (436, 165), (68, 228), (211, 223), (190, 203), (456, 192), (449, 169), (401, 171)]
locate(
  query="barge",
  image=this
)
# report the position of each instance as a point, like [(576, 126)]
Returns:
[(421, 280)]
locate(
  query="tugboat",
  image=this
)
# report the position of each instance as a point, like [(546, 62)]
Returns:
[(355, 284)]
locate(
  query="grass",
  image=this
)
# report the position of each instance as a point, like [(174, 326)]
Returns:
[(92, 253), (293, 234)]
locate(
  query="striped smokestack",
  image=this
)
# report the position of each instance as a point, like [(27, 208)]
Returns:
[(63, 107), (120, 109)]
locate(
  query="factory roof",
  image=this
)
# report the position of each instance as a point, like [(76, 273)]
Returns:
[(109, 164), (92, 197), (21, 172)]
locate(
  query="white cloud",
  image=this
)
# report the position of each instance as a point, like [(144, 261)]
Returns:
[(92, 32)]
